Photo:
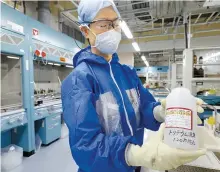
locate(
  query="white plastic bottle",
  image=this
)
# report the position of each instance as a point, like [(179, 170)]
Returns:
[(181, 120)]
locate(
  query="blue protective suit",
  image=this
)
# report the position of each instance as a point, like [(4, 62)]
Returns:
[(105, 107)]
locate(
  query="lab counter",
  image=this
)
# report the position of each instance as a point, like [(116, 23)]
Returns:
[(47, 109), (47, 118), (13, 119)]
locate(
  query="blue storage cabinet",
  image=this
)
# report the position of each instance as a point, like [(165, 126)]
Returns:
[(49, 128)]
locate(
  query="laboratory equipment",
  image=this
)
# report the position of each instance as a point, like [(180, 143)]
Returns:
[(181, 120), (217, 125), (13, 113), (25, 102), (47, 96)]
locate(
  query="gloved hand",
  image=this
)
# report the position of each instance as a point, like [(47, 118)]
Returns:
[(158, 156), (159, 111)]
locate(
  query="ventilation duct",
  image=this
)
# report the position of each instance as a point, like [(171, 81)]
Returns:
[(44, 12)]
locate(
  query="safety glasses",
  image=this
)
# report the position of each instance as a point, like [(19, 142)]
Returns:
[(104, 25)]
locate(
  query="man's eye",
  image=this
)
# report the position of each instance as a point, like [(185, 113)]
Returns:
[(103, 26)]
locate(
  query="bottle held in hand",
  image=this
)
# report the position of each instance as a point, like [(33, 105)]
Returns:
[(181, 120)]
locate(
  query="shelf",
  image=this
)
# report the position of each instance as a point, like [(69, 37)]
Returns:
[(206, 79), (159, 80), (208, 64)]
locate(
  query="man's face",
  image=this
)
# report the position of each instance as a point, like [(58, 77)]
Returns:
[(101, 24)]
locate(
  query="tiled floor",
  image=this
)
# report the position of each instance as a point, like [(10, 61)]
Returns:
[(53, 158)]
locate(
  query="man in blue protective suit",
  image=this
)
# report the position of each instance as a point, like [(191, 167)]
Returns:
[(106, 107)]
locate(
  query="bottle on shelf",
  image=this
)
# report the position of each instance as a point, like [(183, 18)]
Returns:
[(201, 72), (200, 60), (194, 59), (195, 72)]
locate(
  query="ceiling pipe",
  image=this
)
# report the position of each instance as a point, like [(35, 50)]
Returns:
[(158, 28), (198, 18), (216, 16), (137, 17), (171, 34), (135, 3), (210, 17), (137, 11)]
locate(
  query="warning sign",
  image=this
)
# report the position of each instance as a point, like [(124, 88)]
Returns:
[(35, 32)]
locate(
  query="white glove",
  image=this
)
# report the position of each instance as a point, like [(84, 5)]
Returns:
[(159, 111), (158, 156)]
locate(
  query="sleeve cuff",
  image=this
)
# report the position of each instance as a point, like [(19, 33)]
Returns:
[(126, 154), (159, 113)]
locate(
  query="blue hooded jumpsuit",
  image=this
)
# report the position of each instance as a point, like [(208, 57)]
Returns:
[(105, 107)]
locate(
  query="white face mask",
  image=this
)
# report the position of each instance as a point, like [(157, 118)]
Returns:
[(108, 42)]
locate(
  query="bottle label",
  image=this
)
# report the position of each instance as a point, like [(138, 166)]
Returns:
[(177, 117)]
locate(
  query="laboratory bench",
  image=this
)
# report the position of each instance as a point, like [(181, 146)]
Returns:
[(48, 121), (13, 119)]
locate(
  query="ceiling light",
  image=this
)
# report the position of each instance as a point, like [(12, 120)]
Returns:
[(135, 45), (158, 53), (69, 66), (143, 57), (146, 63), (55, 64), (126, 30), (12, 57)]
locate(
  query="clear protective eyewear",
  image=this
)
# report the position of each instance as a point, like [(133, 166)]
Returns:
[(104, 25)]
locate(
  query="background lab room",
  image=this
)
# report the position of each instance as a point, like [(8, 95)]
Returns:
[(169, 44)]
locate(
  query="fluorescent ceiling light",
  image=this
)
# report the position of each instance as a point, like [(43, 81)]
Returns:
[(135, 45), (126, 30), (69, 66), (12, 57), (55, 64), (50, 63), (145, 60), (146, 63), (158, 53), (143, 57)]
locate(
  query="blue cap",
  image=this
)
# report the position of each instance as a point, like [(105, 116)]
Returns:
[(88, 9)]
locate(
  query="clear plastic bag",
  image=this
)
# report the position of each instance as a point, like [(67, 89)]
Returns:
[(38, 142), (64, 131), (11, 157)]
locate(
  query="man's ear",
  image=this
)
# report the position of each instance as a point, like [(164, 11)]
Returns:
[(84, 30)]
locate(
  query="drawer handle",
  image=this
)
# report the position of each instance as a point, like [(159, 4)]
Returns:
[(54, 125), (12, 121), (51, 127), (55, 118), (39, 114), (21, 120)]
